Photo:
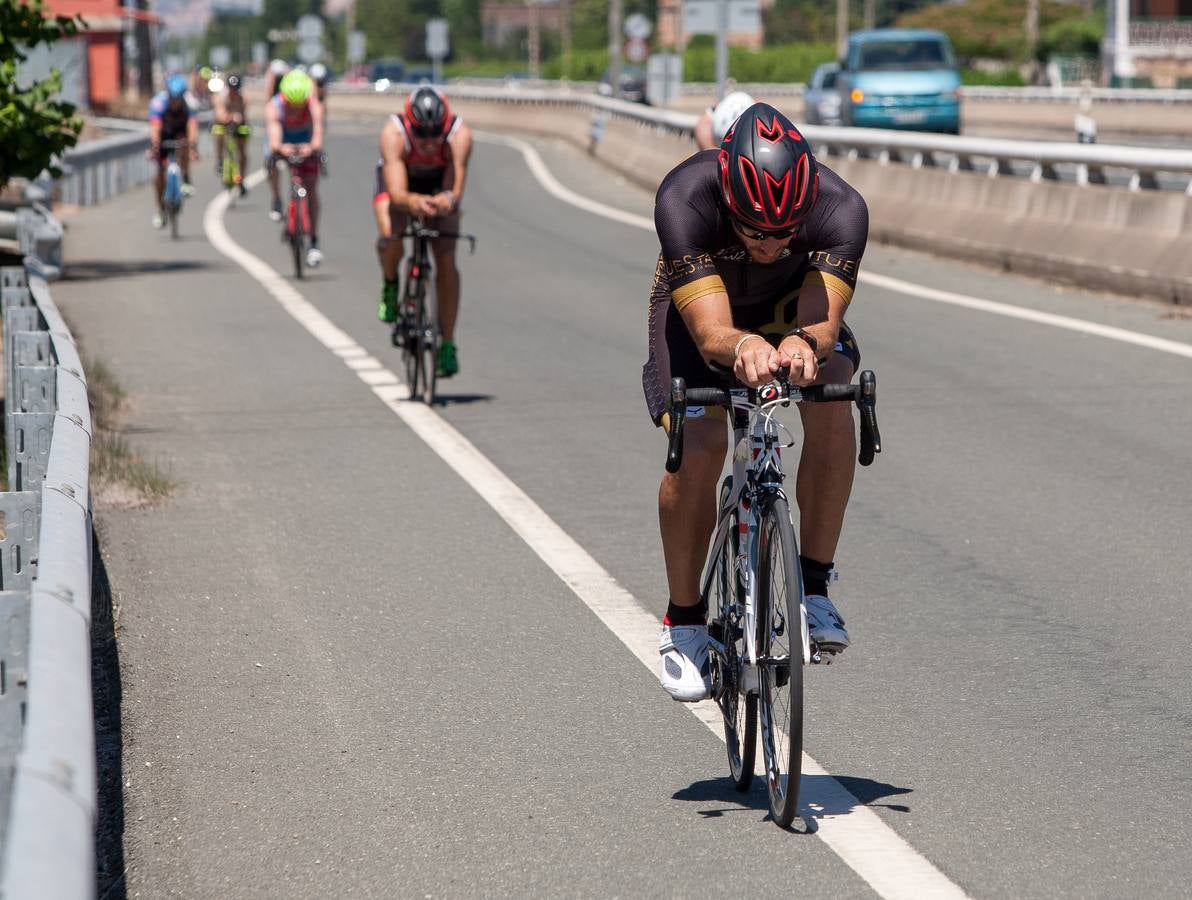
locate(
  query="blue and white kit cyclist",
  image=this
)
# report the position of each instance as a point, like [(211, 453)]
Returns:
[(172, 118)]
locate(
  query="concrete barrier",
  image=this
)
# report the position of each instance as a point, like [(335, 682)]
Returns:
[(1098, 237)]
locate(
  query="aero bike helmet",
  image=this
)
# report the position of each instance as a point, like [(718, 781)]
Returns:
[(727, 111), (318, 73), (176, 86), (278, 67), (296, 87), (233, 82), (767, 173), (426, 111)]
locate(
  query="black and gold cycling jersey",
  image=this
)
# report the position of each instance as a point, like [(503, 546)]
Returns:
[(702, 254)]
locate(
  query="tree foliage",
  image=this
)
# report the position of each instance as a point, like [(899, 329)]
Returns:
[(995, 29), (34, 126)]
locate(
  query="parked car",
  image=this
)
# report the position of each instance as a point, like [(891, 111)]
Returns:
[(633, 85), (384, 72), (900, 78), (821, 101)]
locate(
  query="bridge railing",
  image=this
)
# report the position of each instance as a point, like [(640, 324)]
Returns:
[(1140, 167), (47, 744)]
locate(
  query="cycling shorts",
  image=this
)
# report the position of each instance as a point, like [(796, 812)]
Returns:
[(673, 352)]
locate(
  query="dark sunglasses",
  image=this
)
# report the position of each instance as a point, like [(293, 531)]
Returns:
[(754, 235), (427, 134)]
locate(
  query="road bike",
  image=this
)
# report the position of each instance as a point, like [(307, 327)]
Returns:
[(416, 330), (752, 585), (229, 166), (298, 223), (172, 194)]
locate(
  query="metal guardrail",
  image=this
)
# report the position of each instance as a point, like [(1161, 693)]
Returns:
[(47, 742), (97, 170), (1065, 94), (1037, 160)]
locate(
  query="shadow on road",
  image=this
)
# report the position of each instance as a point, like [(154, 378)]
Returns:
[(97, 270), (109, 745), (461, 399), (819, 796)]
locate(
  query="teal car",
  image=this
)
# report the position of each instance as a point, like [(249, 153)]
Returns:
[(900, 78)]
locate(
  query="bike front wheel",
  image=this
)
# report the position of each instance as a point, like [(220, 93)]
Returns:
[(428, 350), (738, 704), (780, 653), (297, 243)]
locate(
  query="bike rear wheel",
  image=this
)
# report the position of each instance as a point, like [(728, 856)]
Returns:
[(722, 597), (780, 650)]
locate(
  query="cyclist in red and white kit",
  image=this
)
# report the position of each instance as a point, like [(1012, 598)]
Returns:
[(423, 167), (760, 251)]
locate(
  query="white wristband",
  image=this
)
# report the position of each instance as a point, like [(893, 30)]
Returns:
[(744, 338)]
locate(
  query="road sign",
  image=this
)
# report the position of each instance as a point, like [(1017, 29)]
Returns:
[(277, 35), (703, 16), (310, 51), (220, 56), (664, 77), (356, 47), (310, 28), (638, 26), (437, 43), (636, 50)]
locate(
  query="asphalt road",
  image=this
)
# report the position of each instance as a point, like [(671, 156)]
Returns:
[(345, 675)]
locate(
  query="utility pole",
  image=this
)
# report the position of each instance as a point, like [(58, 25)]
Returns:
[(614, 46), (870, 13), (841, 27), (533, 40), (565, 37), (1032, 38), (721, 46)]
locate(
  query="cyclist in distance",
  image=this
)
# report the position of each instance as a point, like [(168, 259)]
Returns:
[(760, 251), (171, 118), (277, 71), (318, 74), (294, 122), (423, 167), (716, 120), (231, 111)]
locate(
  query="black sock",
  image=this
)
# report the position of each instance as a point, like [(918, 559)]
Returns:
[(683, 615), (815, 575), (314, 242)]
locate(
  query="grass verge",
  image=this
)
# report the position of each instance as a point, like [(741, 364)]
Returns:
[(119, 475)]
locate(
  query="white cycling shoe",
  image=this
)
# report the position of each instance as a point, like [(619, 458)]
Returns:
[(314, 257), (686, 673), (825, 623)]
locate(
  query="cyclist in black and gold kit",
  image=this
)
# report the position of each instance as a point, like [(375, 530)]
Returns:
[(760, 251)]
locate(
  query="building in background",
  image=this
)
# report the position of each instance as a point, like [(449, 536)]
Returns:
[(1149, 41), (92, 64), (499, 22), (670, 27)]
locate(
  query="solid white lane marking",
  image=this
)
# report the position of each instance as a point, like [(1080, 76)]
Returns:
[(854, 832), (548, 181), (1030, 315)]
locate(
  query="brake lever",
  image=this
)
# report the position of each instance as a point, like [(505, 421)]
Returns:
[(678, 417), (871, 438)]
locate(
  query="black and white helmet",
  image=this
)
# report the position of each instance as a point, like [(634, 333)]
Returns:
[(427, 113)]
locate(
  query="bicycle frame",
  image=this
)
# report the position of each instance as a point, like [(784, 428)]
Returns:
[(757, 478)]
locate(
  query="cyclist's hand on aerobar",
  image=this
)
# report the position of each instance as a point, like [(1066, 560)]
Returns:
[(194, 152), (423, 205), (804, 365), (304, 150), (443, 203), (757, 362), (286, 150)]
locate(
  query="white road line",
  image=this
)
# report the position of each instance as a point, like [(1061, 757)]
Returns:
[(548, 181), (855, 833)]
